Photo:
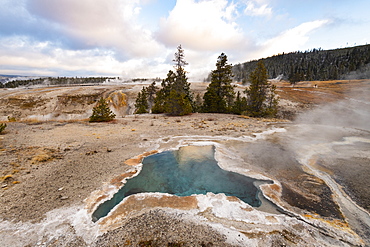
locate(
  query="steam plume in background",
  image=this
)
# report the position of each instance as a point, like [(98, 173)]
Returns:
[(352, 112)]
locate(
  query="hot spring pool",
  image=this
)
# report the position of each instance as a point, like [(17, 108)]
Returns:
[(184, 172)]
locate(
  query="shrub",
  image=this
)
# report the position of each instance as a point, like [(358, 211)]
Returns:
[(12, 119), (102, 112), (2, 127)]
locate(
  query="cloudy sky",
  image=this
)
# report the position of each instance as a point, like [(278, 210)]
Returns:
[(137, 38)]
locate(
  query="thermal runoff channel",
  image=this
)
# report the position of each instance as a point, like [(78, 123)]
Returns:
[(184, 172)]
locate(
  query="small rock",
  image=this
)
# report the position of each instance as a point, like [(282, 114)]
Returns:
[(91, 152), (60, 189), (64, 198)]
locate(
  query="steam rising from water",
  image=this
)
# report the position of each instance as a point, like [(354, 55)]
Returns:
[(353, 112), (337, 136)]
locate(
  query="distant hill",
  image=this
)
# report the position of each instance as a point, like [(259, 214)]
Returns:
[(9, 76), (26, 81), (317, 64), (5, 79)]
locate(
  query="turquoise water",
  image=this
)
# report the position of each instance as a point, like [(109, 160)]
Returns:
[(187, 171)]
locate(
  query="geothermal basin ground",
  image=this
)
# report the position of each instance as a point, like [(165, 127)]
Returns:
[(57, 168)]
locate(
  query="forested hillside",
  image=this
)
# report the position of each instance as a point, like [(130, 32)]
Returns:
[(55, 81), (317, 64)]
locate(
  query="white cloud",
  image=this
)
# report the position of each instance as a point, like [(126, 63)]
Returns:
[(145, 68), (200, 63), (89, 37), (256, 8), (110, 24), (292, 39), (201, 25), (94, 37), (45, 58)]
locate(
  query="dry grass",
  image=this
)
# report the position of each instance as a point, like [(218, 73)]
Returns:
[(326, 91), (35, 121), (43, 157)]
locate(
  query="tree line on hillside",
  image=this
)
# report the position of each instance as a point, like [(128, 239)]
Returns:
[(317, 64), (55, 81), (175, 98)]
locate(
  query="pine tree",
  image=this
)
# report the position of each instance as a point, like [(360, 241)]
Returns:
[(178, 104), (181, 84), (272, 102), (261, 97), (151, 90), (179, 59), (102, 112), (212, 101), (240, 105), (159, 102), (163, 94), (175, 92), (141, 103), (197, 103), (220, 94)]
